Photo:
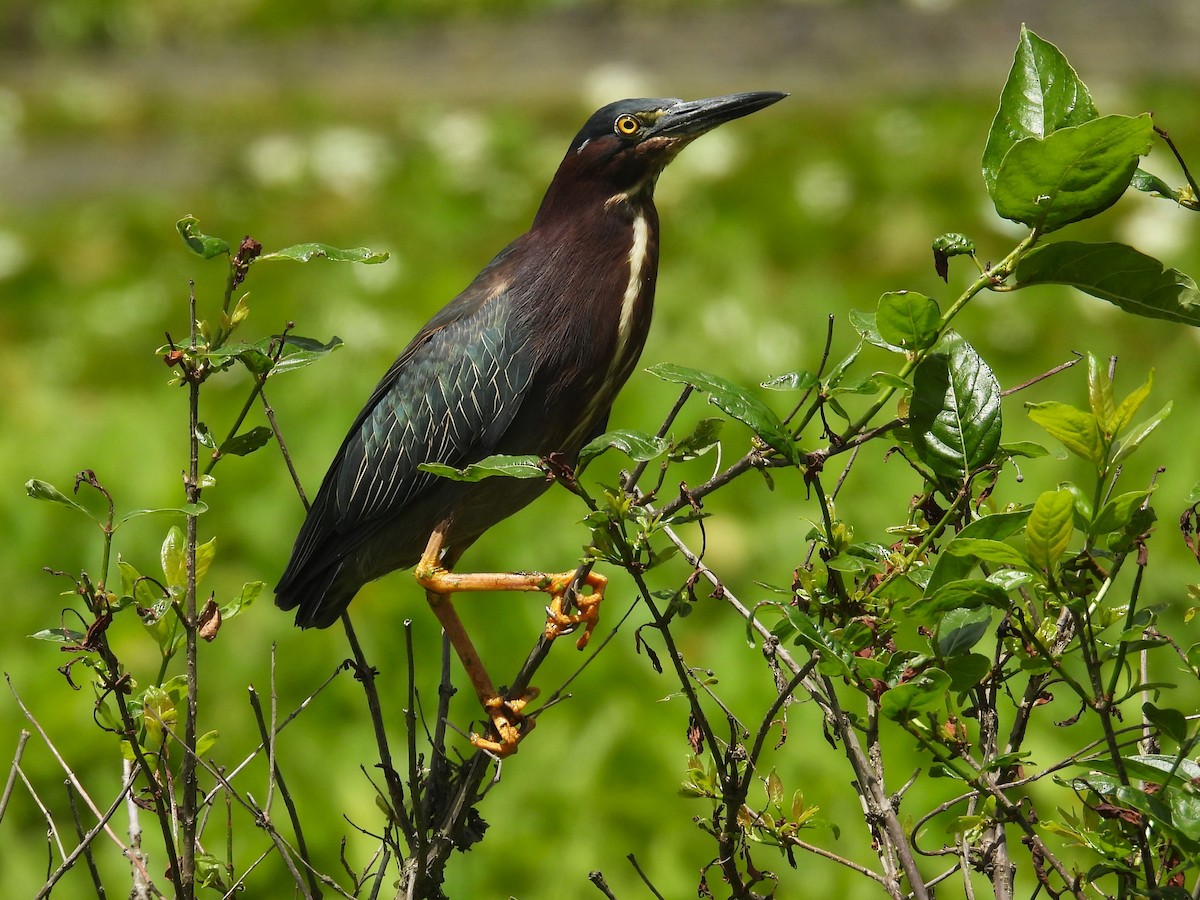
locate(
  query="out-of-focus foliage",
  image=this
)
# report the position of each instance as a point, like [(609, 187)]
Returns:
[(767, 230)]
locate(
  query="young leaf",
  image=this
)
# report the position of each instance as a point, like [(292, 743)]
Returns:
[(1050, 527), (306, 252), (954, 418), (199, 243), (637, 445), (505, 466), (1135, 282), (43, 490), (1117, 512), (703, 438), (908, 319), (1128, 407), (301, 351), (946, 246), (1131, 441), (1073, 174), (736, 402), (247, 442), (1100, 395), (1077, 430), (1041, 95), (187, 509), (791, 381), (173, 565)]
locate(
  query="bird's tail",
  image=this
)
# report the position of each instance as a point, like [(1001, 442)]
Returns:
[(316, 596)]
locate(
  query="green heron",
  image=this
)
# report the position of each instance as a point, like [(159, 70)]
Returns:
[(526, 360)]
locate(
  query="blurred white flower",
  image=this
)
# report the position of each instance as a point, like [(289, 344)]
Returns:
[(348, 160), (276, 160), (824, 188), (1156, 226), (611, 82), (460, 140), (13, 254)]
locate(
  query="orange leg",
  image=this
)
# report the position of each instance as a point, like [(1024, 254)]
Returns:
[(508, 723)]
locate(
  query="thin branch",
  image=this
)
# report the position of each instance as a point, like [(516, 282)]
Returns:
[(22, 740)]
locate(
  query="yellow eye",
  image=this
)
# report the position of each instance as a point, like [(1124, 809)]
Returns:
[(627, 125)]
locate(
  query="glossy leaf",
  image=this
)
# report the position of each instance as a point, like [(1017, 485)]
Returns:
[(505, 466), (1117, 512), (989, 551), (1151, 184), (952, 567), (954, 417), (966, 670), (299, 352), (962, 629), (734, 401), (924, 692), (1171, 723), (247, 442), (792, 381), (1073, 174), (966, 593), (637, 445), (1076, 429), (1100, 394), (1050, 527), (306, 252), (1133, 439), (199, 243), (908, 319), (1115, 272), (946, 246), (703, 438), (43, 490), (868, 329), (1041, 95)]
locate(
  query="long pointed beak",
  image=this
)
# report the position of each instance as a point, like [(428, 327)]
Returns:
[(691, 119)]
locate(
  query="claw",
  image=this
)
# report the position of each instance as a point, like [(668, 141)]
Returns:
[(509, 724), (559, 622)]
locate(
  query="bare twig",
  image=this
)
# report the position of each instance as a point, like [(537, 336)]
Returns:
[(22, 740)]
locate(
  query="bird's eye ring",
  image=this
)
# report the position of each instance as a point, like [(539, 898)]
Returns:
[(627, 125)]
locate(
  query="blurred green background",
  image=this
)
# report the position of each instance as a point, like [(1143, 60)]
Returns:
[(430, 131)]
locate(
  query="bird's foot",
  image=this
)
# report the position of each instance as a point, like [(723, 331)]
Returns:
[(560, 622), (509, 724)]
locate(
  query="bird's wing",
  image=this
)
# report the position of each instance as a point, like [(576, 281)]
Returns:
[(448, 398)]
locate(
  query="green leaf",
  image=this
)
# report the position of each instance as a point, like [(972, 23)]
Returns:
[(1077, 430), (1100, 395), (187, 509), (954, 417), (1128, 407), (703, 438), (1117, 512), (306, 252), (505, 466), (792, 381), (637, 445), (1151, 184), (1041, 95), (172, 557), (908, 319), (247, 442), (299, 352), (205, 742), (924, 692), (967, 593), (990, 551), (996, 527), (946, 246), (205, 553), (1171, 723), (247, 595), (59, 636), (1131, 441), (866, 326), (1073, 174), (966, 670), (43, 490), (735, 401), (835, 659), (961, 629), (1123, 276), (1050, 527), (201, 244)]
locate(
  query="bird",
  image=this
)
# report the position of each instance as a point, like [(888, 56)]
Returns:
[(527, 359)]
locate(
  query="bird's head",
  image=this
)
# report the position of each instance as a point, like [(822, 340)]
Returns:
[(625, 145)]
